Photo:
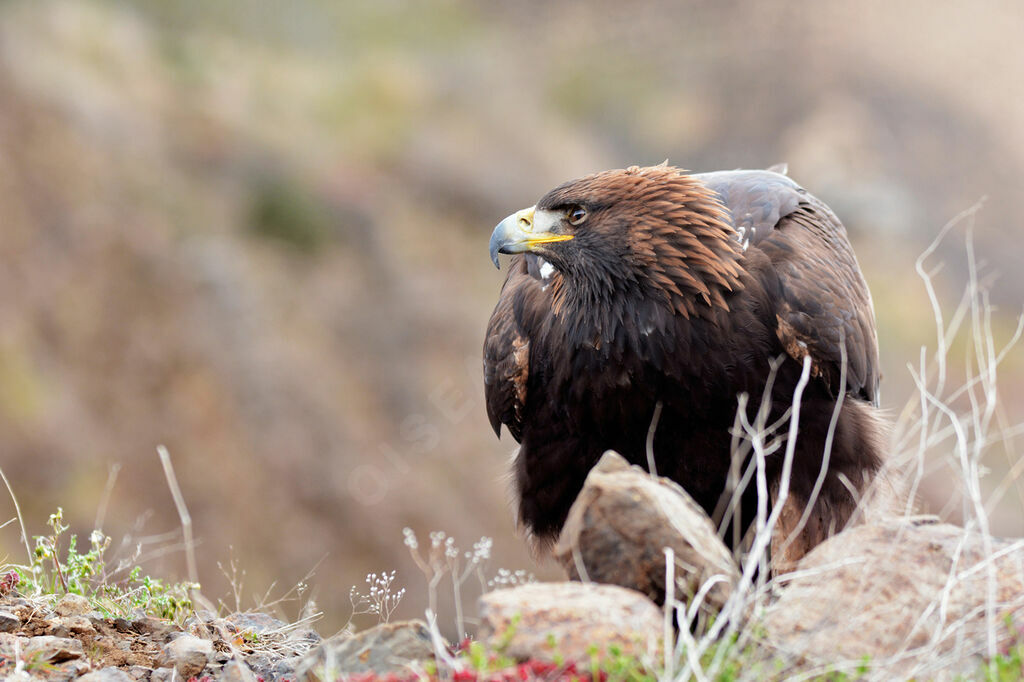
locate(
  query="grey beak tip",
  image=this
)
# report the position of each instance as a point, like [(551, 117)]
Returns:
[(495, 249), (496, 242)]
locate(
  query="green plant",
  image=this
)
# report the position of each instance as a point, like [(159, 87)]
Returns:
[(483, 661), (1008, 663), (1006, 666), (509, 633), (617, 666), (54, 572)]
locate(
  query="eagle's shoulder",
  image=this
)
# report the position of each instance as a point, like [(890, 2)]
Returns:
[(756, 200), (822, 304)]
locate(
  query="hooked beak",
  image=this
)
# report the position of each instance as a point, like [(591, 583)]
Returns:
[(519, 232)]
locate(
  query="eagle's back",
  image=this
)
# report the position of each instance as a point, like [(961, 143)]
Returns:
[(823, 301)]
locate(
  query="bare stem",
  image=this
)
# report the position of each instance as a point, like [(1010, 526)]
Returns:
[(186, 519), (17, 511)]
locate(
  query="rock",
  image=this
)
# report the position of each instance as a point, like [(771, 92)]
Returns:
[(272, 667), (109, 674), (55, 628), (76, 624), (53, 649), (17, 603), (910, 596), (72, 605), (71, 670), (390, 647), (620, 524), (282, 670), (68, 670), (523, 622), (304, 636), (202, 616), (139, 672), (11, 646), (198, 621), (50, 658), (8, 621), (156, 627), (236, 671), (20, 608), (162, 675), (187, 654), (8, 642), (255, 621)]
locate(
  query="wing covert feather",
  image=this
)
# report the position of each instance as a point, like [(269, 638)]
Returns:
[(507, 350), (825, 303)]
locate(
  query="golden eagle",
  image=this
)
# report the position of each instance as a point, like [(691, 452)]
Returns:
[(651, 285)]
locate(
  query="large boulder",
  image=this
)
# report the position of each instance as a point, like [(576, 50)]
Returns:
[(911, 598), (564, 621), (621, 523)]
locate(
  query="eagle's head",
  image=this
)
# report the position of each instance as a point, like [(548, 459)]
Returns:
[(652, 234)]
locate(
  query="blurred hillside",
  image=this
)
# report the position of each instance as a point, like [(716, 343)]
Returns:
[(256, 233)]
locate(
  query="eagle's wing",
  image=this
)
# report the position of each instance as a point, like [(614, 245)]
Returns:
[(507, 348), (823, 301)]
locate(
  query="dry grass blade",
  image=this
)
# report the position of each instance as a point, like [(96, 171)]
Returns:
[(651, 467), (21, 521), (108, 489), (183, 515), (186, 530)]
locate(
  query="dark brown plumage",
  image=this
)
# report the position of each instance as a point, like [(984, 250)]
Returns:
[(646, 285)]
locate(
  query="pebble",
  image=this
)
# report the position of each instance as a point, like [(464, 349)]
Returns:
[(255, 621), (148, 625), (186, 654), (139, 672), (8, 621), (162, 675), (110, 674), (77, 624), (73, 605), (236, 671)]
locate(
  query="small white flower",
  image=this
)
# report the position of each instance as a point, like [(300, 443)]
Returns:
[(482, 550), (410, 538)]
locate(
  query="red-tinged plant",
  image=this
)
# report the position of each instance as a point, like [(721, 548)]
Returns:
[(8, 582)]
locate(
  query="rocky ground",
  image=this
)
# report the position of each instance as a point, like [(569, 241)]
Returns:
[(892, 598), (71, 641)]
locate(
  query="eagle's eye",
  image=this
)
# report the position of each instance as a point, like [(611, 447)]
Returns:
[(576, 215)]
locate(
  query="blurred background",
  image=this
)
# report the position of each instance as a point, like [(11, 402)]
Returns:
[(256, 232)]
